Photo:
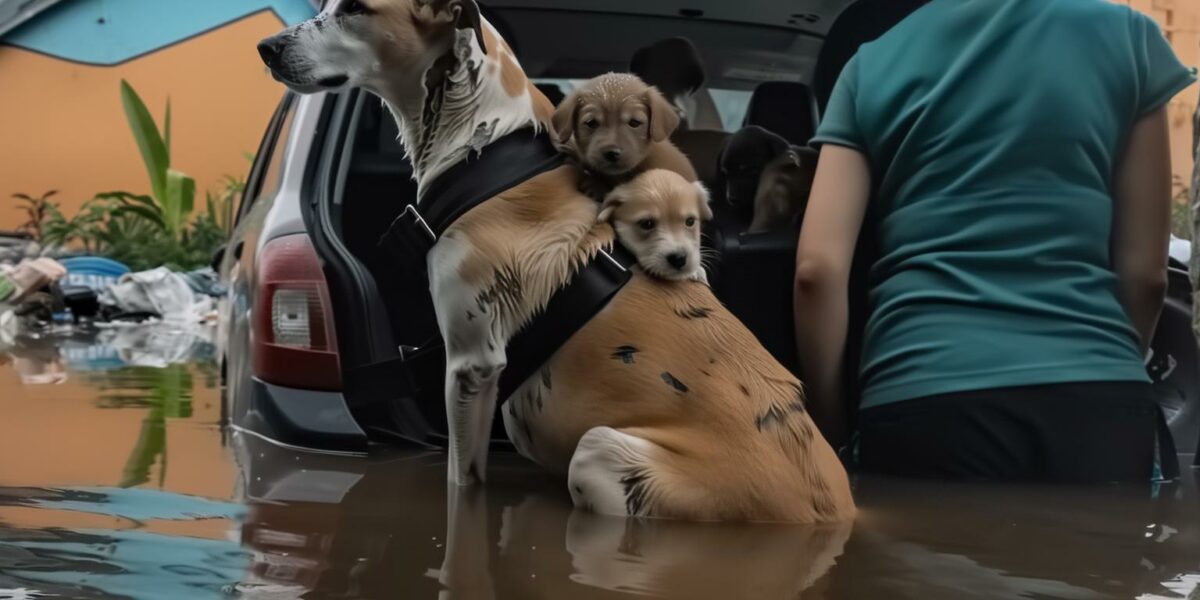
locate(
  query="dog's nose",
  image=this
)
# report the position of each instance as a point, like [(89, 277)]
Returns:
[(612, 155), (677, 260), (270, 49)]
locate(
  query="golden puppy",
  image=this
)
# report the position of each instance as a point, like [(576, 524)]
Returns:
[(616, 126), (657, 217)]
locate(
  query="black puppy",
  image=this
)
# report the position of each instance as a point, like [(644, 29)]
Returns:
[(766, 177), (743, 157)]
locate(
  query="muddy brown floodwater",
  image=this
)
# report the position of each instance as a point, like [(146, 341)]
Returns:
[(117, 481)]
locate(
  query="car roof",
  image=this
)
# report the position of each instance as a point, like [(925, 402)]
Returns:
[(743, 42), (811, 16)]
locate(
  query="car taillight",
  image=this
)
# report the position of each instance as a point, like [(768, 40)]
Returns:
[(294, 342)]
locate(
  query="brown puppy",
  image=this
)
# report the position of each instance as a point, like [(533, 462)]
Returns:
[(657, 217), (616, 126), (783, 189)]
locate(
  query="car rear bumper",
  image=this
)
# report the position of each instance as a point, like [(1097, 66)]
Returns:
[(306, 419)]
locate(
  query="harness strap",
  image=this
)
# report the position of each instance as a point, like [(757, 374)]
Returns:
[(507, 162), (481, 176), (567, 312)]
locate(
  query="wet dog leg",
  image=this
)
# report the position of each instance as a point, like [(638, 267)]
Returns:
[(612, 473), (475, 357)]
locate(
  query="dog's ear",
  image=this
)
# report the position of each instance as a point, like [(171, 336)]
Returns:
[(704, 198), (612, 202), (463, 13), (563, 120), (663, 118), (776, 143)]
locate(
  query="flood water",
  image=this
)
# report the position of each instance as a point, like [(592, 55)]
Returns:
[(117, 481)]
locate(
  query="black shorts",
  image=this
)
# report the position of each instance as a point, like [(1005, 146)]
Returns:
[(1076, 432)]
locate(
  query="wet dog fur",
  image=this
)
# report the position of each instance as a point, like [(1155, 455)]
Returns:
[(664, 404)]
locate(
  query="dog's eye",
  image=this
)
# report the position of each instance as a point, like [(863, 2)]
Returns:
[(690, 222), (591, 123), (635, 123), (646, 224), (354, 7)]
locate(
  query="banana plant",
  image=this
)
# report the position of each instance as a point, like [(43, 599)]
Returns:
[(173, 193)]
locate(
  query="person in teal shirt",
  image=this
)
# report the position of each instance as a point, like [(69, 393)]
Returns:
[(1014, 155)]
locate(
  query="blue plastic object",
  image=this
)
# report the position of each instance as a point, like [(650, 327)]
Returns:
[(96, 272)]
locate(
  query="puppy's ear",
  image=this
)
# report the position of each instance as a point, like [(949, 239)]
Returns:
[(612, 202), (703, 197), (463, 13), (793, 157), (563, 120), (663, 118), (777, 144)]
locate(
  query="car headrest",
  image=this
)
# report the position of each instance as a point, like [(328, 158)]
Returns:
[(672, 65), (786, 108)]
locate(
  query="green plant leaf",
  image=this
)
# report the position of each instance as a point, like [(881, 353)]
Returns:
[(121, 196), (167, 131), (143, 212), (180, 200), (150, 143)]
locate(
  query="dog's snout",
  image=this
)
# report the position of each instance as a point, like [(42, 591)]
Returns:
[(270, 49), (677, 260), (612, 155)]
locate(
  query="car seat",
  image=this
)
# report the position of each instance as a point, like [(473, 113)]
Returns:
[(785, 107)]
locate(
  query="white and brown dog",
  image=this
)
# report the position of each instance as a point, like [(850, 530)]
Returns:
[(663, 404)]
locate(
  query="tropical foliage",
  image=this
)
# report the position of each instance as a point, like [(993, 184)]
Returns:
[(37, 212), (142, 230)]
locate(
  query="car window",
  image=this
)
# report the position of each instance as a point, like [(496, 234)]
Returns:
[(731, 104), (267, 173)]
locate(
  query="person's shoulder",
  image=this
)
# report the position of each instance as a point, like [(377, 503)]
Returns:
[(1099, 11), (909, 29)]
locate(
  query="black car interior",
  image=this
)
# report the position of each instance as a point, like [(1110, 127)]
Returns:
[(751, 274)]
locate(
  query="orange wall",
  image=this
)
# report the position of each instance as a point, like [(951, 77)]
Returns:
[(56, 435), (1180, 21), (62, 126)]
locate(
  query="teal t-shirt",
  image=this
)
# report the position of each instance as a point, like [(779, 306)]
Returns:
[(992, 128)]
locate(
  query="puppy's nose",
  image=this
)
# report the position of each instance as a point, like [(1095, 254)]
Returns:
[(270, 49), (612, 155), (677, 260)]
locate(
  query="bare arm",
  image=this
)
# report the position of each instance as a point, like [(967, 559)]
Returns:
[(1142, 222), (826, 250)]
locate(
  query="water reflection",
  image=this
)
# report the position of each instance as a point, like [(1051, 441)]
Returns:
[(132, 559), (46, 355), (118, 483), (367, 528)]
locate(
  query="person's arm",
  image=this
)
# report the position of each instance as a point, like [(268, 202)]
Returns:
[(1142, 222), (824, 255)]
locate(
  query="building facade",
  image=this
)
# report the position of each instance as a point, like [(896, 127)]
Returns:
[(1180, 21)]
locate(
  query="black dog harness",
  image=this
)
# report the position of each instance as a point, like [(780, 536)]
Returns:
[(505, 163)]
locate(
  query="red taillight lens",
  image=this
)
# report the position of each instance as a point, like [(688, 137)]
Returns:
[(294, 342)]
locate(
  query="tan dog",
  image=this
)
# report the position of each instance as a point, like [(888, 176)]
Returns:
[(616, 126), (664, 404), (657, 217)]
